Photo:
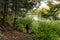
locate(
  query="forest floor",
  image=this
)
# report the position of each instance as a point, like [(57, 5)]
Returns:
[(16, 36)]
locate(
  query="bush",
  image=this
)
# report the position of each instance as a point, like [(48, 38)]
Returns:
[(34, 26), (47, 31), (22, 22), (20, 27)]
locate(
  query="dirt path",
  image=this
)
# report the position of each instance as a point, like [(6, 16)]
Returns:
[(16, 36)]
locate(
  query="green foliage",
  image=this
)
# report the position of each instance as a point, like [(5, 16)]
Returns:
[(20, 27), (21, 23), (34, 26), (41, 12), (48, 13), (47, 31)]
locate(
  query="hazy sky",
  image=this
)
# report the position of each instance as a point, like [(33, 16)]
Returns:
[(43, 4)]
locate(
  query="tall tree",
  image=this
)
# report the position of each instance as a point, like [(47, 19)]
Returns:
[(5, 10), (18, 5)]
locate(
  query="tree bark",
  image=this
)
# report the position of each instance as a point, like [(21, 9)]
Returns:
[(15, 16), (5, 10)]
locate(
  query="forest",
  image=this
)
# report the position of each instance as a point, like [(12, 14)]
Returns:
[(29, 19)]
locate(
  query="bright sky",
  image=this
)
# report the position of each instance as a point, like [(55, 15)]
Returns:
[(44, 4)]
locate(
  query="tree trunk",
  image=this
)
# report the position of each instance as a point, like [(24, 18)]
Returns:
[(15, 16), (5, 9)]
